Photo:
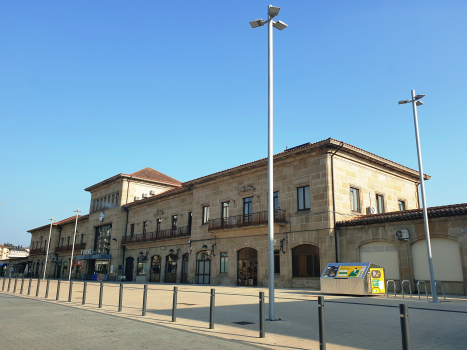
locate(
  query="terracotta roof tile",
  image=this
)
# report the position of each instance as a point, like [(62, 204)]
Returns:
[(413, 214), (151, 174)]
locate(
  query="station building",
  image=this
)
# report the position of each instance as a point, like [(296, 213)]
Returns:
[(150, 227)]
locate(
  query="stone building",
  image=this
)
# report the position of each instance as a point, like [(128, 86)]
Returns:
[(147, 226)]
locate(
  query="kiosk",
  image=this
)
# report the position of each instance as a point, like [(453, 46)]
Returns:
[(353, 279)]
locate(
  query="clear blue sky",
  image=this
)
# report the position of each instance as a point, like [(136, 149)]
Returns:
[(90, 89)]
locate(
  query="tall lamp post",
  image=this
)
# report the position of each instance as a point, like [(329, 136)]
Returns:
[(416, 102), (48, 246), (272, 12), (77, 211)]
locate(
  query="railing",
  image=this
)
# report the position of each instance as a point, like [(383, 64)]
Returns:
[(245, 220), (37, 251), (158, 235), (69, 248)]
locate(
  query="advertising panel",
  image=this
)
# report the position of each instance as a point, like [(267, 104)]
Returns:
[(377, 280), (356, 271)]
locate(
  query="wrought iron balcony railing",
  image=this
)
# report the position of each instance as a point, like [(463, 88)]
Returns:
[(69, 248), (158, 235), (243, 220), (37, 251)]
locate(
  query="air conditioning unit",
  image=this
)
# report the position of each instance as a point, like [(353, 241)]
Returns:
[(136, 198), (371, 210), (152, 192), (402, 235), (145, 195)]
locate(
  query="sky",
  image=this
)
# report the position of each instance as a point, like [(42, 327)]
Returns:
[(91, 89)]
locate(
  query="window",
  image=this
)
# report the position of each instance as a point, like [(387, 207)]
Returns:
[(113, 200), (276, 204), (41, 243), (401, 204), (224, 262), (380, 203), (102, 239), (305, 261), (247, 209), (303, 196), (190, 219), (205, 215), (116, 199), (145, 227), (63, 239), (174, 222), (45, 244), (67, 240), (225, 210), (82, 238), (142, 266), (277, 261), (132, 230), (93, 205), (158, 225), (355, 199)]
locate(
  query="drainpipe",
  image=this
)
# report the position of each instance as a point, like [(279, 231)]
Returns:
[(334, 202)]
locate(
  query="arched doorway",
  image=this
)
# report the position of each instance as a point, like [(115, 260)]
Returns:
[(184, 268), (129, 265), (203, 268), (305, 261), (247, 267), (171, 268), (384, 254), (155, 269)]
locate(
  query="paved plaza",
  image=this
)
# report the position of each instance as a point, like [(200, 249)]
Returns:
[(351, 322)]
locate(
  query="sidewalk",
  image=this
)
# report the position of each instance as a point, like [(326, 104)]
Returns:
[(351, 322)]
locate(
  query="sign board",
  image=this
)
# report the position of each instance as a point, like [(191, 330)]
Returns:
[(100, 276), (377, 281), (356, 271), (111, 269), (79, 263), (463, 229), (86, 252)]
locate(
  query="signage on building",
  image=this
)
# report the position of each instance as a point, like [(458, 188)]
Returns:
[(79, 263), (86, 252), (377, 280)]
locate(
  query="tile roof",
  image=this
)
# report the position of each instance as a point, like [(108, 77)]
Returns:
[(413, 214), (327, 142), (151, 174)]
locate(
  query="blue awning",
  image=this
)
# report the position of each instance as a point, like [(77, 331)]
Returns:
[(3, 264), (94, 256)]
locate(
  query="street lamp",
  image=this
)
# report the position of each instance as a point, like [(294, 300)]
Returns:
[(48, 246), (416, 102), (272, 12), (77, 211)]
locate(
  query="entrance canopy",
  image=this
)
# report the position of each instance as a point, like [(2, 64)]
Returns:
[(94, 256)]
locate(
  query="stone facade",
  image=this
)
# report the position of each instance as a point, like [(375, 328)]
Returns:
[(327, 169)]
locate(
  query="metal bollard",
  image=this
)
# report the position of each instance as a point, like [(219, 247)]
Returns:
[(14, 287), (3, 285), (84, 292), (174, 305), (70, 291), (37, 287), (58, 290), (322, 332), (145, 297), (211, 311), (404, 314), (262, 333), (120, 298), (29, 287), (101, 291), (22, 284), (9, 282), (47, 289)]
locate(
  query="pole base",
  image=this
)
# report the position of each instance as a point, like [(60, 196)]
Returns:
[(277, 319)]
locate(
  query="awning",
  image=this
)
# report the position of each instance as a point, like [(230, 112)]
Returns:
[(94, 256), (3, 264)]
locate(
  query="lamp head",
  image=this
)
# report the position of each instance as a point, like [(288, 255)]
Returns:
[(171, 251), (419, 97), (273, 11), (404, 102), (205, 247), (419, 103), (279, 25), (257, 23)]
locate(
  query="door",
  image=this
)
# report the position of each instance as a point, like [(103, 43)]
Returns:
[(184, 268), (171, 268), (203, 268), (247, 267), (155, 269), (129, 269)]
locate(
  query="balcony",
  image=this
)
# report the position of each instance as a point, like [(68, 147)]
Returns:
[(158, 235), (37, 251), (69, 248), (260, 218)]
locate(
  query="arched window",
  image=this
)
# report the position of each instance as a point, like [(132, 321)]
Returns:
[(305, 261)]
